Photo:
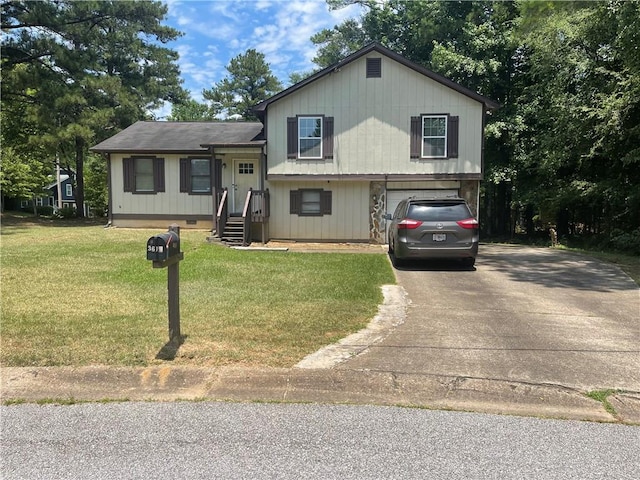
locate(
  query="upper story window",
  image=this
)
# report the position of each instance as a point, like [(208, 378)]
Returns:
[(143, 174), (68, 190), (434, 136), (310, 137), (195, 176)]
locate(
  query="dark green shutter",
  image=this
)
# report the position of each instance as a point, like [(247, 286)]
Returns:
[(415, 135), (452, 137), (295, 201), (292, 137), (158, 174), (185, 175), (327, 137), (325, 202), (128, 175)]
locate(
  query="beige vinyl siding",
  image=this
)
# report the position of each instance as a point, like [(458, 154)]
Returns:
[(349, 219), (372, 121), (169, 202)]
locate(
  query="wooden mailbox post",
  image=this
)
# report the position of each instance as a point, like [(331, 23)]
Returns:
[(164, 251)]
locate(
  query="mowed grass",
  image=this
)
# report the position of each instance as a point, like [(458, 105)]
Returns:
[(86, 295)]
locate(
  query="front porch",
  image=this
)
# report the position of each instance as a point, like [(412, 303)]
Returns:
[(240, 228)]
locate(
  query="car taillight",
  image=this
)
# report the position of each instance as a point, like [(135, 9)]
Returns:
[(409, 224), (469, 223)]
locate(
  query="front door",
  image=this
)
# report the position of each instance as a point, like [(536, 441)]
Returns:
[(245, 176)]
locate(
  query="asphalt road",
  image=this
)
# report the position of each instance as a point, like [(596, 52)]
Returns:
[(531, 315), (254, 441)]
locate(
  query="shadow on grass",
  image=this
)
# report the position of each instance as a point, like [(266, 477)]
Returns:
[(170, 349)]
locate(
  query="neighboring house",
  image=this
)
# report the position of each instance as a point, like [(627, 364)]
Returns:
[(329, 157), (50, 199)]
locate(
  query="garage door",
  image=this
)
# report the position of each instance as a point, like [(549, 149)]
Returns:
[(394, 197)]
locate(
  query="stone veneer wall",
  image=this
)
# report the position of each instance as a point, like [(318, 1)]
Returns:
[(377, 202)]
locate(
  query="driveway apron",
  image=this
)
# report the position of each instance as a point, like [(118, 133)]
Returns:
[(531, 315)]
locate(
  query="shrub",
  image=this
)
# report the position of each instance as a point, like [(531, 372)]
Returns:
[(628, 242), (45, 210), (66, 212)]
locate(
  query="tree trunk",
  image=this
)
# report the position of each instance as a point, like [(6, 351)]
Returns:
[(79, 188)]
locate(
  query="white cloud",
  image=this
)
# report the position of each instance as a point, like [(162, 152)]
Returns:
[(216, 31)]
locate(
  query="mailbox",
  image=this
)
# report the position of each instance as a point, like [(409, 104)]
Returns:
[(163, 246)]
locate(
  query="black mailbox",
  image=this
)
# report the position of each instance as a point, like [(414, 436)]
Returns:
[(163, 246)]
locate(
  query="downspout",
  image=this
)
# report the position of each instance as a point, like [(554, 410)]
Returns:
[(58, 184), (107, 157), (214, 188)]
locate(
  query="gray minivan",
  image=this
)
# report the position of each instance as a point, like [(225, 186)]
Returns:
[(432, 228)]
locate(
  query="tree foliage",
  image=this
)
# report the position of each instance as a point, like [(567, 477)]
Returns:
[(190, 110), (78, 72), (564, 148), (249, 82)]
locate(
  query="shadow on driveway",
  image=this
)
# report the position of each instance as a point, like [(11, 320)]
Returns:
[(554, 268), (433, 266)]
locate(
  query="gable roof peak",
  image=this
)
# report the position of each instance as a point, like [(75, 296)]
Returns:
[(260, 109)]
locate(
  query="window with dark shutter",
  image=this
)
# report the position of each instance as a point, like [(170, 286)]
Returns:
[(143, 175), (195, 176), (374, 67), (434, 136), (310, 202), (310, 137)]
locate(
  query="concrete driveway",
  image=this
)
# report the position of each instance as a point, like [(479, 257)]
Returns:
[(529, 315)]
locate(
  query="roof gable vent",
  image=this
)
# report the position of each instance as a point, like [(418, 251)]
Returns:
[(374, 67)]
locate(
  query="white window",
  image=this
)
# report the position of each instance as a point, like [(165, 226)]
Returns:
[(68, 190), (200, 175), (434, 136), (143, 174), (310, 137)]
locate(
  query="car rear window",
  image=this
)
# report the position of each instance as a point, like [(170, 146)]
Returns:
[(434, 212)]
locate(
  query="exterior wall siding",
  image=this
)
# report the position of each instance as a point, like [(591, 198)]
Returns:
[(349, 219), (372, 121), (169, 202)]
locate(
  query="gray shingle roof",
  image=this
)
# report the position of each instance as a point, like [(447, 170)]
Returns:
[(182, 137)]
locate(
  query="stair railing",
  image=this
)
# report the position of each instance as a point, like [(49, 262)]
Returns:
[(256, 210), (222, 214), (246, 219)]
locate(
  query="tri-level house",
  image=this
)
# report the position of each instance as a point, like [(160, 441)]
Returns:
[(330, 156)]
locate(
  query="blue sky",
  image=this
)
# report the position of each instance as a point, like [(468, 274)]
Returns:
[(215, 31)]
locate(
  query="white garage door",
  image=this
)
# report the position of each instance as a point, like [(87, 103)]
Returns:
[(394, 197)]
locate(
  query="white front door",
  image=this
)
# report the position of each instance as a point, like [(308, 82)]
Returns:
[(245, 176)]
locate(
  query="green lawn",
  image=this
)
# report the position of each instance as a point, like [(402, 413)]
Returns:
[(85, 295)]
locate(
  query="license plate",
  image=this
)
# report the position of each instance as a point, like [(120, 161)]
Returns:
[(439, 237)]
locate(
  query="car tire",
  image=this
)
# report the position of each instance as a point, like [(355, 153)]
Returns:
[(469, 262)]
